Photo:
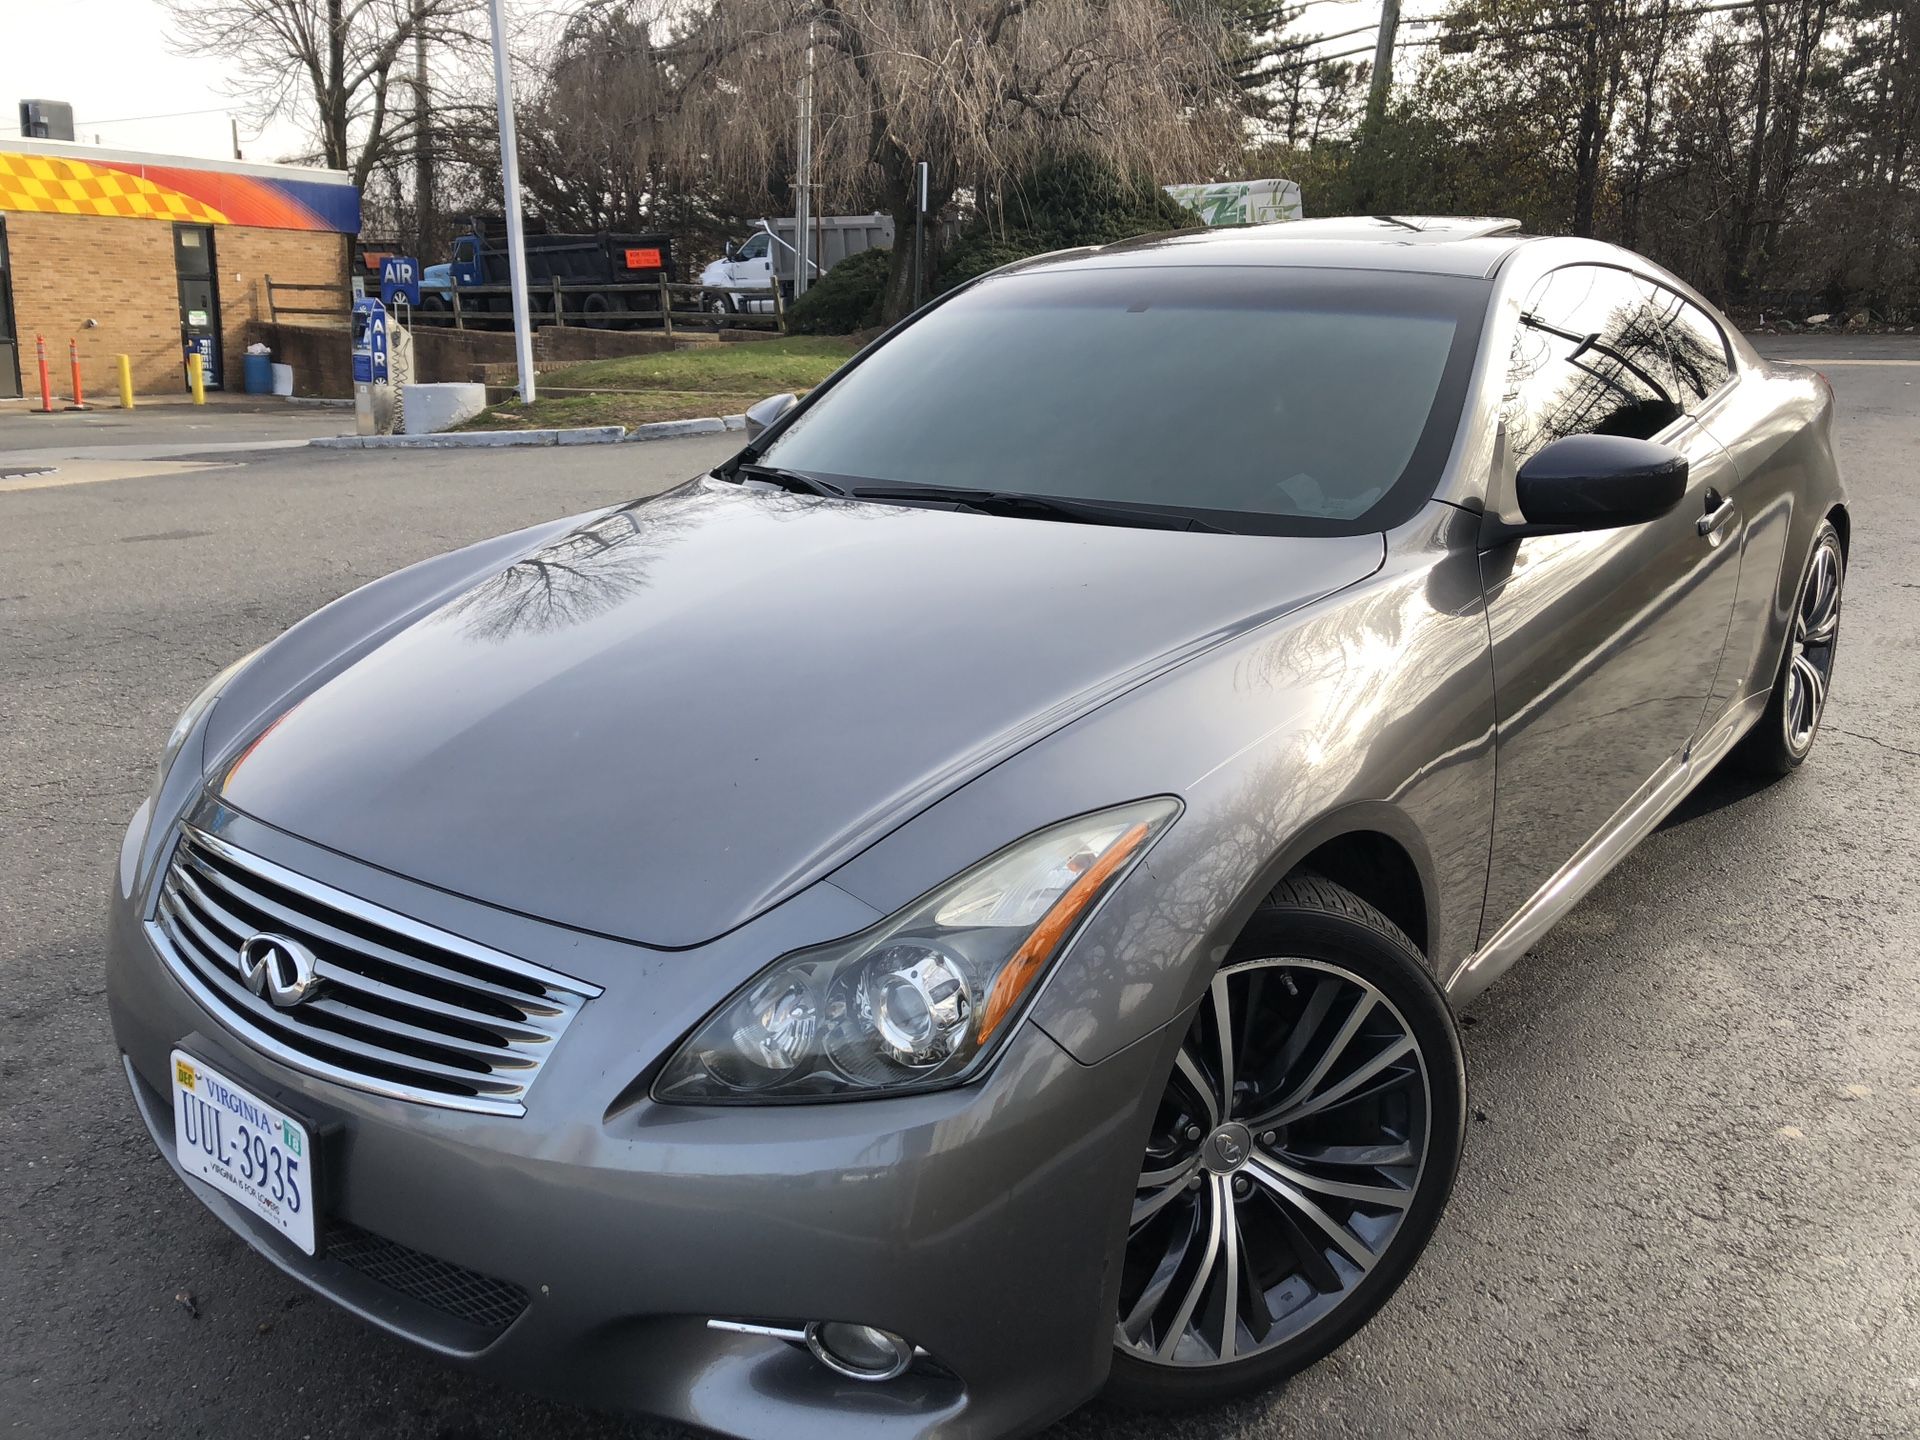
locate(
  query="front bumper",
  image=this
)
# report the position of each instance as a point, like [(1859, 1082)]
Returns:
[(599, 1232)]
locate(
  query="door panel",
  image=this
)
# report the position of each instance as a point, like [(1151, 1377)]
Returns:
[(1606, 643)]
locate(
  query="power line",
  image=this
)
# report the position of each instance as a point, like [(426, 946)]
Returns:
[(84, 124)]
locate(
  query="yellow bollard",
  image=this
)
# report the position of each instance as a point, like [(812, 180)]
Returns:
[(126, 382), (196, 376)]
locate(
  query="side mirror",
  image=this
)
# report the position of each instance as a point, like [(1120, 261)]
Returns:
[(1600, 482), (727, 250), (764, 413)]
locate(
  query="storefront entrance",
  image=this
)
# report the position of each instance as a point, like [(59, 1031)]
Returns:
[(9, 341), (193, 264)]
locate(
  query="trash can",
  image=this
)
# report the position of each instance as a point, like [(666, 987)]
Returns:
[(259, 373)]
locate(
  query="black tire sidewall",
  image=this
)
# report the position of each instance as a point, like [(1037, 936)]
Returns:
[(1386, 959)]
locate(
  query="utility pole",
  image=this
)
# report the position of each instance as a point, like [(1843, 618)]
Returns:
[(1383, 61), (233, 127), (919, 233), (510, 170), (803, 181), (423, 210)]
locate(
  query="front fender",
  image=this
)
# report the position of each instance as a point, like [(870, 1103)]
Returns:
[(1371, 709)]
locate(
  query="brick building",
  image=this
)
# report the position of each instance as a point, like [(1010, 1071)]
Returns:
[(146, 256)]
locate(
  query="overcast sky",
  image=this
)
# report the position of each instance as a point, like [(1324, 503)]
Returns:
[(112, 61)]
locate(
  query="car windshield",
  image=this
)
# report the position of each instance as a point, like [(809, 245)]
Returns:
[(1275, 400)]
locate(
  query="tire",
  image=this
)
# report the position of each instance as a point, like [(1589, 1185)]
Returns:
[(720, 307), (596, 312), (1783, 736), (1311, 959)]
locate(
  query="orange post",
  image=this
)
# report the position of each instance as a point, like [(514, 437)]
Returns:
[(73, 359), (46, 384)]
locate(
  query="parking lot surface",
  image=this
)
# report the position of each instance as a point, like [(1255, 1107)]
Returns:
[(1690, 1203)]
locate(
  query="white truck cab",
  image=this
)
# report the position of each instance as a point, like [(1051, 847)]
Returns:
[(747, 266)]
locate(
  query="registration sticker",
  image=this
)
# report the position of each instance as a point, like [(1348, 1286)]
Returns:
[(249, 1150)]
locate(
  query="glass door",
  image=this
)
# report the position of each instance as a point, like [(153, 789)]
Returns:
[(9, 341), (193, 264)]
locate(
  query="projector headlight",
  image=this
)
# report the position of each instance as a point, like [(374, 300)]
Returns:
[(923, 999)]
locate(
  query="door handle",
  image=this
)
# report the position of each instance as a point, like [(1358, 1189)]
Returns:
[(1717, 514)]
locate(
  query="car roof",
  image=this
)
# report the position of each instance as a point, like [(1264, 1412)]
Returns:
[(1429, 244)]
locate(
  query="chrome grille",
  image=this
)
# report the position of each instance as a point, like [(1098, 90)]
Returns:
[(401, 1008)]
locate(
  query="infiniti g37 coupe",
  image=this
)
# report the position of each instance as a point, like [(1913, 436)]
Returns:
[(965, 904)]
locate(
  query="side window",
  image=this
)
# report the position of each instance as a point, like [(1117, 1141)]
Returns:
[(756, 248), (463, 251), (1699, 360), (1591, 358)]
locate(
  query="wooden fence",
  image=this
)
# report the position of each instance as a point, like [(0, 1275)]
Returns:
[(341, 295), (666, 304)]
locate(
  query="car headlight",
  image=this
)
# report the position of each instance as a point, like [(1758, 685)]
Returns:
[(923, 999), (183, 727)]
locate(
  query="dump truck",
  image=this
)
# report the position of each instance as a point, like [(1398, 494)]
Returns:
[(578, 261)]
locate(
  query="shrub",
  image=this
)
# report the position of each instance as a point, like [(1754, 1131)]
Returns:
[(845, 299), (1068, 201)]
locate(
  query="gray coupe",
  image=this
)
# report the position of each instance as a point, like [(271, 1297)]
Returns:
[(966, 904)]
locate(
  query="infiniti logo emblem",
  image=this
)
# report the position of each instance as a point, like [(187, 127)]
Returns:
[(278, 969)]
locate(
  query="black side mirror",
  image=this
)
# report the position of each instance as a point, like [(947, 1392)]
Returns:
[(762, 414), (1600, 482), (727, 250)]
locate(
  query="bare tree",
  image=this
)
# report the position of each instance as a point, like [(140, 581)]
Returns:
[(976, 88), (339, 66)]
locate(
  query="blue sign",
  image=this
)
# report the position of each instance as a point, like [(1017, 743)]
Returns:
[(400, 275), (204, 345), (369, 342)]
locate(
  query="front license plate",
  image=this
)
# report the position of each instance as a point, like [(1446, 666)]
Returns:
[(245, 1148)]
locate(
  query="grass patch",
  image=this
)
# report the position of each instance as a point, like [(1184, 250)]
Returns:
[(674, 385)]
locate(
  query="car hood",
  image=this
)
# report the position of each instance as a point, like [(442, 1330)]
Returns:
[(676, 715)]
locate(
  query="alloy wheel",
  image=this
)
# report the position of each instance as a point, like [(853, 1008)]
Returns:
[(1287, 1149), (1816, 630)]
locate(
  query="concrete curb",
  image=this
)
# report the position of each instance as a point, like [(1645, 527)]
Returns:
[(488, 439), (674, 429)]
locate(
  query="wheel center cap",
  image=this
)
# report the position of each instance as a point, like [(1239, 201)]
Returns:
[(1227, 1148)]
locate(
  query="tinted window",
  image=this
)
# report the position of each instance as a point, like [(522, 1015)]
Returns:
[(1697, 350), (1591, 358), (1306, 401), (754, 248)]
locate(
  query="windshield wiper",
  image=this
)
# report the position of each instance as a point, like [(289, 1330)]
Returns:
[(797, 481), (1047, 507)]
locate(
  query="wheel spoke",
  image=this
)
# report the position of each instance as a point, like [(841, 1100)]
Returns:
[(1159, 1189), (1813, 689), (1391, 1196), (1366, 1157), (1134, 1323), (1210, 1250), (1189, 1069), (1333, 1095), (1223, 1032), (1820, 616), (1307, 1026), (1336, 1047), (1230, 1252), (1298, 1200)]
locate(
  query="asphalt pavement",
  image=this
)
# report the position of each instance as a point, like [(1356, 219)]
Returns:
[(1690, 1203)]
